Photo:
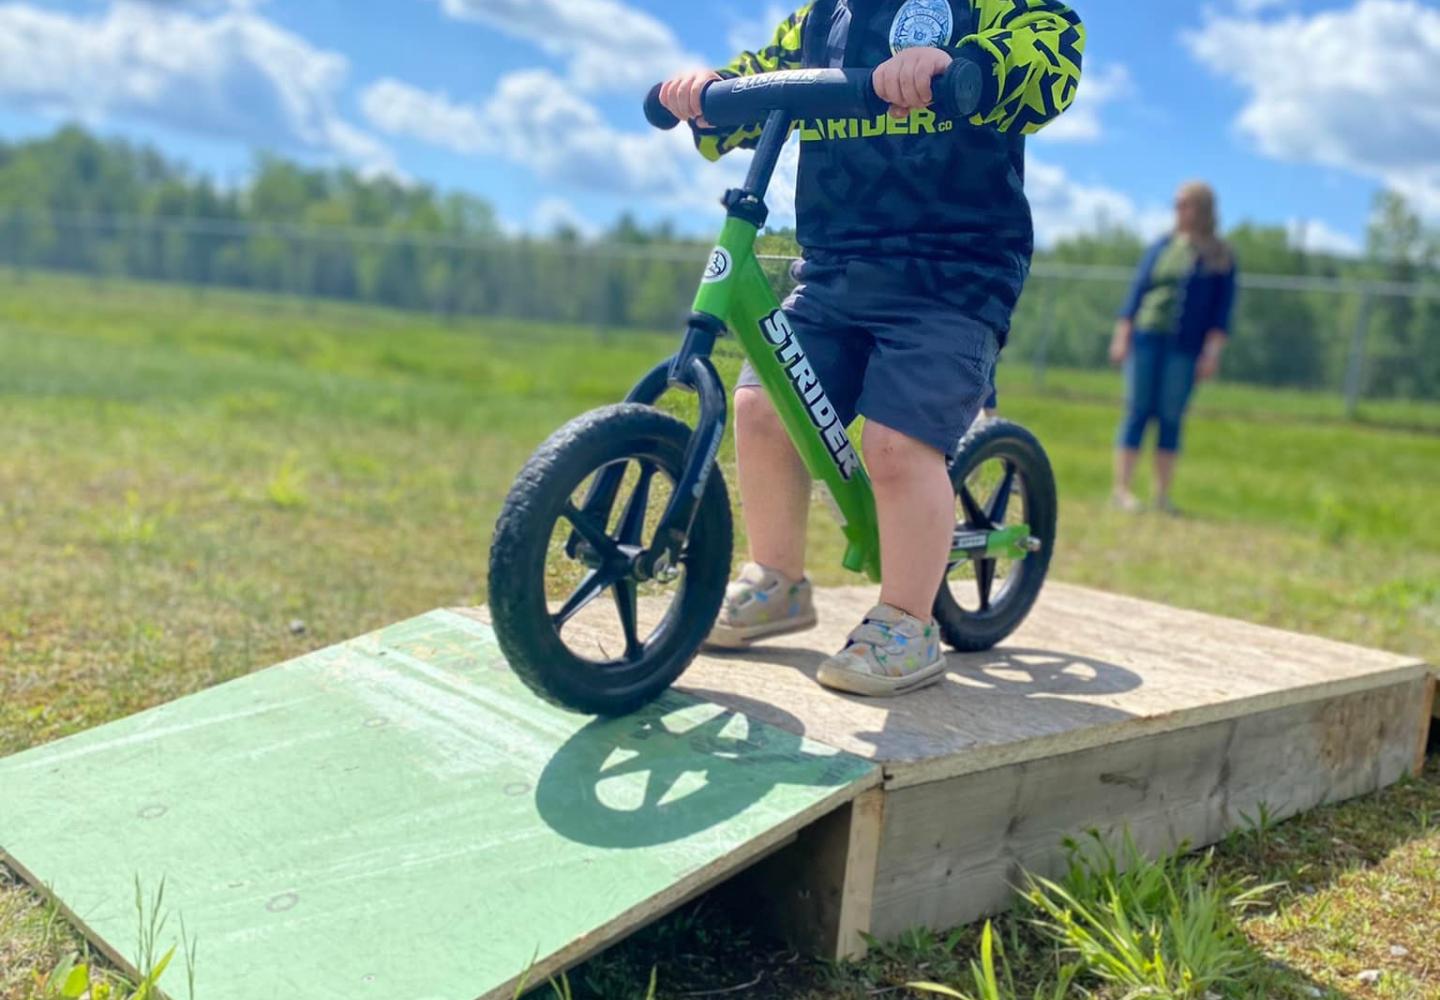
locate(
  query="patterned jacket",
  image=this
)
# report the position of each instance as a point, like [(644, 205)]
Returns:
[(921, 187)]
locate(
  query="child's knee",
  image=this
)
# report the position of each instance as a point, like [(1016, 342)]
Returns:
[(755, 415), (891, 456)]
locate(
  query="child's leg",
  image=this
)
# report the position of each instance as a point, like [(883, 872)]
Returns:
[(774, 485), (770, 596), (916, 506)]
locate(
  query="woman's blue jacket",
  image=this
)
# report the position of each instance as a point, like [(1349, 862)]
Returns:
[(1206, 299)]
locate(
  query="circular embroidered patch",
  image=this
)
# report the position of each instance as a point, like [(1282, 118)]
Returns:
[(922, 24)]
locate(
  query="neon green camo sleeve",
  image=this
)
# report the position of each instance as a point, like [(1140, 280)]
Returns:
[(1030, 51), (783, 52)]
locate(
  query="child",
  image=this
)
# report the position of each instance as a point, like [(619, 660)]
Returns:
[(917, 240)]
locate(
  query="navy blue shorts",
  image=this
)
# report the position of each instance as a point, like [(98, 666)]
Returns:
[(888, 342)]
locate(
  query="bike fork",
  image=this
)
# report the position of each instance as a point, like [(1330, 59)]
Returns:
[(691, 370)]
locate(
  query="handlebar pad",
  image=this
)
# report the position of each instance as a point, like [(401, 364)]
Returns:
[(817, 93), (657, 114), (804, 93)]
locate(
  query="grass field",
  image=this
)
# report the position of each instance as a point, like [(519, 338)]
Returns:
[(195, 487)]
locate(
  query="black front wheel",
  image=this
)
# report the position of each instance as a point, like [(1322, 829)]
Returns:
[(580, 623), (1002, 478)]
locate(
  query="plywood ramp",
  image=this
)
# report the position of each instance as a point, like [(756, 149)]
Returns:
[(397, 816), (1087, 669)]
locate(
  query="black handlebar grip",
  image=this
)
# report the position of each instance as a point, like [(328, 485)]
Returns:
[(658, 114), (958, 90)]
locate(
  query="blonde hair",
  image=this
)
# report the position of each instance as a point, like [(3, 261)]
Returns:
[(1214, 252)]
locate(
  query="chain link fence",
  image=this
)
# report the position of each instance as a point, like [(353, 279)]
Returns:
[(1362, 339)]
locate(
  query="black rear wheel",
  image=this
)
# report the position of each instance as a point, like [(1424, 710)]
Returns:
[(1002, 477), (579, 624)]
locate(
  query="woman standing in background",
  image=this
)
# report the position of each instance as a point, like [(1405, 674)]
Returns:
[(1171, 332)]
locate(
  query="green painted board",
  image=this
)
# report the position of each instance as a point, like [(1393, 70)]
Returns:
[(396, 816)]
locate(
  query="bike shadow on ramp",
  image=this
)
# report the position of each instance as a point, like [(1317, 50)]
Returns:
[(682, 766), (1004, 695)]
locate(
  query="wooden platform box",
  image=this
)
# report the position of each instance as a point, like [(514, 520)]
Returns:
[(1103, 712)]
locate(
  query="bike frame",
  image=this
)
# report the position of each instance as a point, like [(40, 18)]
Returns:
[(736, 295)]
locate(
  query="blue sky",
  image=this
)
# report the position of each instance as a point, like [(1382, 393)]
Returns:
[(1294, 109)]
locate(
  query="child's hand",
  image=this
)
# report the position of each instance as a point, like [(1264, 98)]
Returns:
[(681, 94), (904, 81)]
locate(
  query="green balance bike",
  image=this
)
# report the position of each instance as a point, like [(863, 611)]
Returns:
[(613, 550)]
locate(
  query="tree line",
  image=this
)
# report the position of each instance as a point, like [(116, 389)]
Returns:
[(75, 202)]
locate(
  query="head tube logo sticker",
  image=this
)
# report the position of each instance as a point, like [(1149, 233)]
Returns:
[(719, 267), (922, 24), (823, 415)]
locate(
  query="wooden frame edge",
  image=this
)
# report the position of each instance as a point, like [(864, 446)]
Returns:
[(1429, 717)]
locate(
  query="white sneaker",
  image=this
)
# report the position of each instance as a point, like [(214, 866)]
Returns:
[(890, 653), (762, 604)]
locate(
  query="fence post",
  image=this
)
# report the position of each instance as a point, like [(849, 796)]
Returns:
[(1047, 331), (1355, 371), (601, 294)]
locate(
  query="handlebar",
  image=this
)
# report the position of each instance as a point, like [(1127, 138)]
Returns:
[(816, 93)]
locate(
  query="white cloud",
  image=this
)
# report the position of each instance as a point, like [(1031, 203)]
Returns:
[(533, 119), (1320, 237), (540, 122), (1355, 88), (1081, 121), (233, 76), (1065, 207), (606, 44), (402, 109)]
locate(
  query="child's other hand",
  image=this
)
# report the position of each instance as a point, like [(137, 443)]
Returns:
[(681, 94), (904, 81)]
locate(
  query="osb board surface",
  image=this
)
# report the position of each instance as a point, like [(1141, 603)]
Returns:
[(397, 816), (1087, 668)]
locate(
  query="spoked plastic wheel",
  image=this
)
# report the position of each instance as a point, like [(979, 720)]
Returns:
[(580, 621), (1002, 477)]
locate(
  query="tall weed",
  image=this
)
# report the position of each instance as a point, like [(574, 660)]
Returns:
[(1165, 929)]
